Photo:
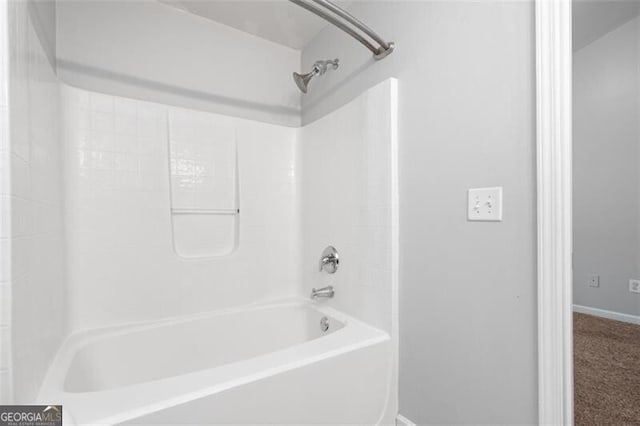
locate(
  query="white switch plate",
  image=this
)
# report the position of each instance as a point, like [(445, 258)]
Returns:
[(634, 286), (485, 204), (594, 280)]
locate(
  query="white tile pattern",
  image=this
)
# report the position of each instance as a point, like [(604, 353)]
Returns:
[(347, 201), (34, 321), (122, 263), (203, 162), (120, 215), (5, 209)]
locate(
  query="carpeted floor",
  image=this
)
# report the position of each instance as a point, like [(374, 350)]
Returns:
[(607, 371)]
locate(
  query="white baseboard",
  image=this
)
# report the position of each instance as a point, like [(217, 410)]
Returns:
[(633, 319), (403, 421)]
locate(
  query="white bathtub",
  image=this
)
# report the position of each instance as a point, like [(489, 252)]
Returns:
[(264, 364)]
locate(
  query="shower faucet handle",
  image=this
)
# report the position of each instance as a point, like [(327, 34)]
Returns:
[(329, 261)]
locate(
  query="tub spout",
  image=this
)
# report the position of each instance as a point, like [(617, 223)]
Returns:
[(326, 292)]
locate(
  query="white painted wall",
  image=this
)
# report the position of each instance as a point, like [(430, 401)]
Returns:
[(593, 19), (148, 50), (38, 288), (122, 264), (467, 289), (606, 156), (43, 17)]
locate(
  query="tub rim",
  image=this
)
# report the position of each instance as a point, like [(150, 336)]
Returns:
[(143, 398)]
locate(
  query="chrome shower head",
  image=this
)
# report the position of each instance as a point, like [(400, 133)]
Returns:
[(302, 80), (319, 68)]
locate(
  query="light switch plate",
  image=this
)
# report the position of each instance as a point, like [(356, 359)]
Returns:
[(485, 204), (634, 286), (594, 280)]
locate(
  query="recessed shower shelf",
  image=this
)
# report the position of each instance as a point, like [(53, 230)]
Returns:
[(206, 211)]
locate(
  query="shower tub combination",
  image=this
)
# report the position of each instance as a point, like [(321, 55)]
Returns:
[(190, 242), (270, 363), (278, 357)]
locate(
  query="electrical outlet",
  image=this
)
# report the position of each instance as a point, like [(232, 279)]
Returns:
[(634, 286), (594, 280), (485, 204)]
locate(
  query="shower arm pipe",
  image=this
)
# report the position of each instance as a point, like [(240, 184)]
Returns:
[(378, 52)]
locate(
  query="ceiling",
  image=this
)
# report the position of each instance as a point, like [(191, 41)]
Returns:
[(594, 18), (277, 20), (285, 23)]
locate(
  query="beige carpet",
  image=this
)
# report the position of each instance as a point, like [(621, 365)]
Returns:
[(607, 371)]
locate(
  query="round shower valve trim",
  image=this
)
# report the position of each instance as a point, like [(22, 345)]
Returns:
[(329, 260)]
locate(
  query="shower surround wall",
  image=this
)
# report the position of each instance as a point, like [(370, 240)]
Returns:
[(120, 242), (299, 190), (349, 184), (5, 212), (332, 182), (34, 278), (349, 199)]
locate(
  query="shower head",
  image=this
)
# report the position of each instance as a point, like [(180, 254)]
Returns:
[(302, 80), (319, 68)]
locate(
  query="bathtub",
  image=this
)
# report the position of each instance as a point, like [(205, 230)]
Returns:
[(292, 362)]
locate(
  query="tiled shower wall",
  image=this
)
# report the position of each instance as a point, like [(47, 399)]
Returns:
[(5, 208), (349, 200), (37, 278), (353, 206), (123, 265)]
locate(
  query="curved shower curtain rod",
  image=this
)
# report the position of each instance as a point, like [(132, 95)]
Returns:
[(318, 7)]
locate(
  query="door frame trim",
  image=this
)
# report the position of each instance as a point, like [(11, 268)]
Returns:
[(554, 180)]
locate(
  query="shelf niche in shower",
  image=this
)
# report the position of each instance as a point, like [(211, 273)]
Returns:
[(203, 159)]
